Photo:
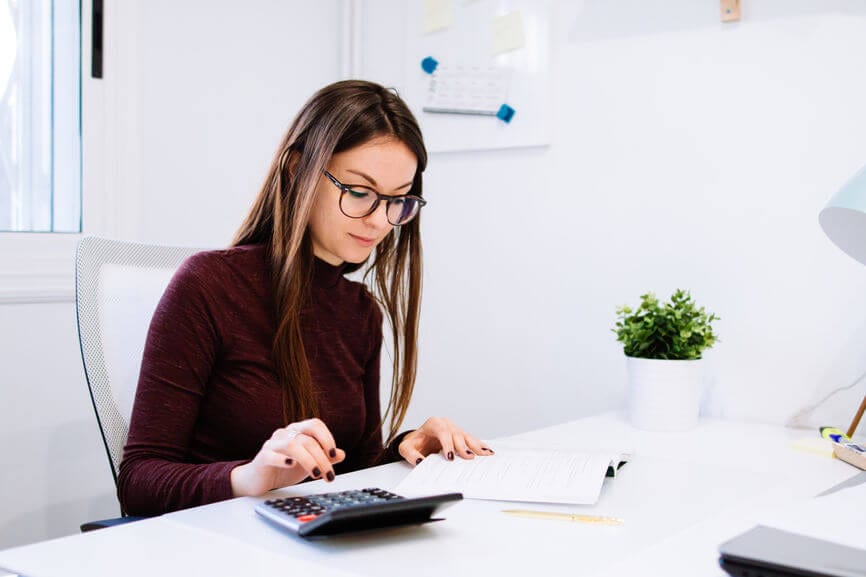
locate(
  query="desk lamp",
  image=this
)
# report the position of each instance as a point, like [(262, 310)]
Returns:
[(844, 221)]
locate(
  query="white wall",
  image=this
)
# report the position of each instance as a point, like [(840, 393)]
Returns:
[(686, 153), (55, 472), (203, 100)]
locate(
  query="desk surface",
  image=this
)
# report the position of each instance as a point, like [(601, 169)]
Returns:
[(680, 496)]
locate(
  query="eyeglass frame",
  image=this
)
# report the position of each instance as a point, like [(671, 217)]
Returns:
[(344, 188)]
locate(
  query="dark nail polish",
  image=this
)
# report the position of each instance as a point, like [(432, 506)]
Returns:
[(317, 472), (468, 452), (330, 475), (450, 455), (289, 462), (418, 460), (333, 453)]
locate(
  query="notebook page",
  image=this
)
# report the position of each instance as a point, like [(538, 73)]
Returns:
[(514, 475)]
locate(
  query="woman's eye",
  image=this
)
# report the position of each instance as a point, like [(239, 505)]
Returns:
[(355, 193)]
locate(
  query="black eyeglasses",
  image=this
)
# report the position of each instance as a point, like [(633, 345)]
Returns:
[(361, 202)]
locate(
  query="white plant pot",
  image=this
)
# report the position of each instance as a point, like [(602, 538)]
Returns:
[(664, 395)]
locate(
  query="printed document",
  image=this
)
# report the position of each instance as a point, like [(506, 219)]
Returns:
[(515, 475)]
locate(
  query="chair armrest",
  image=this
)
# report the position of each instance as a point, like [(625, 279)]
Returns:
[(93, 525)]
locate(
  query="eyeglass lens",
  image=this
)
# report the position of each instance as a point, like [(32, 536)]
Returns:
[(357, 204)]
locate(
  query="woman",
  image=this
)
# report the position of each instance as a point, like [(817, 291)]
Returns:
[(261, 367)]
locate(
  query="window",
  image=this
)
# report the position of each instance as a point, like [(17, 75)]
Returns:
[(40, 112)]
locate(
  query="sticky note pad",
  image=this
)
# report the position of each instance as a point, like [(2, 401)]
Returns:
[(438, 15), (851, 453), (815, 446), (507, 33)]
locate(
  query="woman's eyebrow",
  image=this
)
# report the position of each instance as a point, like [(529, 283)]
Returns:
[(372, 180)]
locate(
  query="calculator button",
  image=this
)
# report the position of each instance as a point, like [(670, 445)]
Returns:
[(306, 518)]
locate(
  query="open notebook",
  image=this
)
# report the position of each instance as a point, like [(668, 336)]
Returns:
[(544, 476)]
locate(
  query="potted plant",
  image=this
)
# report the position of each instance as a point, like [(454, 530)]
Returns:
[(664, 345)]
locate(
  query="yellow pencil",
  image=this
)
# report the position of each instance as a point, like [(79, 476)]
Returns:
[(564, 516)]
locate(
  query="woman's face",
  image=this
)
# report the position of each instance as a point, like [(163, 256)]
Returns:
[(384, 165)]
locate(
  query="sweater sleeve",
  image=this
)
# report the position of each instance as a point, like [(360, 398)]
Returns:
[(183, 342)]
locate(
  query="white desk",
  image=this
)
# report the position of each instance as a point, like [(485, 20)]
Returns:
[(680, 496)]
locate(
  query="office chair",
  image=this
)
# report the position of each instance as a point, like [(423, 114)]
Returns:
[(117, 287)]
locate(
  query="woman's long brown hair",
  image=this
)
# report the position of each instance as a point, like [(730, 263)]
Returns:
[(338, 117)]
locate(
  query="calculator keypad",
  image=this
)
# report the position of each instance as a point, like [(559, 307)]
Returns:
[(305, 509)]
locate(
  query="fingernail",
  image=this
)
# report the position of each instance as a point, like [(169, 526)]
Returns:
[(333, 453), (330, 475), (289, 462), (317, 472), (488, 450), (450, 455), (418, 460), (468, 452)]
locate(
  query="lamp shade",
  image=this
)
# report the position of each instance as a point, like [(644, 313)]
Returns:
[(844, 217)]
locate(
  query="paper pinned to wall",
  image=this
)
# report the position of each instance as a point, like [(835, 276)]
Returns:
[(507, 33), (438, 15), (467, 90)]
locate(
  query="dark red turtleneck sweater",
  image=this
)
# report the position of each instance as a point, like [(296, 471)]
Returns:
[(208, 395)]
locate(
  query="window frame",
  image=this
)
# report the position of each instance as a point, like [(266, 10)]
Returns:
[(38, 267)]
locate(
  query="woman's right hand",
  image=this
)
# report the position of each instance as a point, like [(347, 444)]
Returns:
[(293, 453)]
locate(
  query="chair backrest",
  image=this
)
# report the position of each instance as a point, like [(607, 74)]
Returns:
[(117, 287)]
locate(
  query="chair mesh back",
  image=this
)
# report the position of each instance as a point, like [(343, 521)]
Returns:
[(117, 287)]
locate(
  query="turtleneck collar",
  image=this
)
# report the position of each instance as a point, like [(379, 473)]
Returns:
[(326, 275)]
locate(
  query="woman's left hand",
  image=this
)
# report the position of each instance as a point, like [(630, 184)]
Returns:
[(439, 435)]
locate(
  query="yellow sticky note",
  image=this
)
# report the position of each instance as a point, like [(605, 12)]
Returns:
[(814, 446), (507, 32), (438, 15)]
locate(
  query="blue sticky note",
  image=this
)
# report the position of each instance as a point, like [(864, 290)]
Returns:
[(429, 64), (505, 114)]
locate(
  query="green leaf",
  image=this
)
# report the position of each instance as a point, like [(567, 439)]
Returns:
[(673, 330)]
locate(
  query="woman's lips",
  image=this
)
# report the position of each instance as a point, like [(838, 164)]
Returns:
[(362, 240)]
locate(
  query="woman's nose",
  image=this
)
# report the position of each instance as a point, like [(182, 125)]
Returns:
[(379, 217)]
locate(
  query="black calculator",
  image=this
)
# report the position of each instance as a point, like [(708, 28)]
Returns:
[(351, 511)]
